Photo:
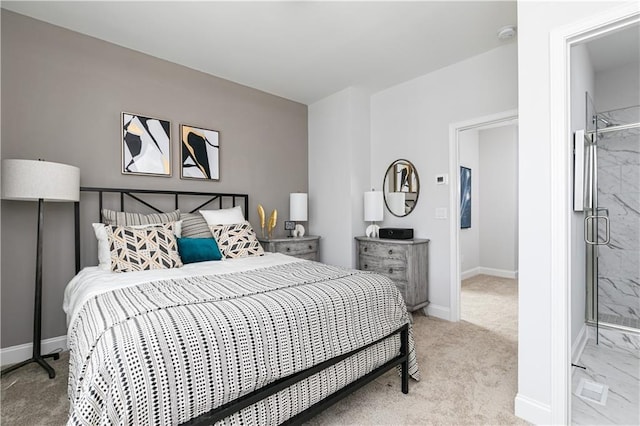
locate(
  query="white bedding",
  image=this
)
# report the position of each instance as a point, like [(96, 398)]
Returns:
[(167, 351), (92, 281)]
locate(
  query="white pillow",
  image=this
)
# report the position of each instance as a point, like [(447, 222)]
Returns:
[(223, 216), (104, 252)]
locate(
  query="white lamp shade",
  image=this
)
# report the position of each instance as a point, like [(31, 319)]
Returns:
[(395, 202), (373, 206), (298, 206), (32, 180)]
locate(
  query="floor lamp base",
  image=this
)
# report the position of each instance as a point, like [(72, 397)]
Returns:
[(40, 360)]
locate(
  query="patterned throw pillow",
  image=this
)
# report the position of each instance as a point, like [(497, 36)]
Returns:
[(139, 249), (113, 217), (237, 240), (194, 226)]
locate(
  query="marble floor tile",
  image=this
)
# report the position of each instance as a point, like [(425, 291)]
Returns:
[(620, 371)]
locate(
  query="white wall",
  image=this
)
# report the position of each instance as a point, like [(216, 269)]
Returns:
[(338, 172), (582, 80), (618, 87), (536, 20), (490, 246), (498, 200), (411, 121), (470, 238)]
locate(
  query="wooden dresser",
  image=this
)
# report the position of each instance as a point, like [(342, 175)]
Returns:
[(306, 247), (404, 261)]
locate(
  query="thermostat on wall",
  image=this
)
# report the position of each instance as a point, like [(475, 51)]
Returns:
[(442, 179)]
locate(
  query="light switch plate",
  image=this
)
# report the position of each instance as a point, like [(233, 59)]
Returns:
[(442, 179), (441, 213)]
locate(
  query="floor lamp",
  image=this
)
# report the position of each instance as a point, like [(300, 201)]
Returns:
[(31, 180)]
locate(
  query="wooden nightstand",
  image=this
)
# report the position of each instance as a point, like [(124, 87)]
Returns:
[(307, 247), (404, 261)]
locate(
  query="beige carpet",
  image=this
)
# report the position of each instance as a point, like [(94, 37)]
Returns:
[(468, 368)]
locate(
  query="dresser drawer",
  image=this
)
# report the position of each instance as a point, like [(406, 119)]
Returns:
[(405, 262), (396, 269), (295, 248), (387, 251), (402, 288)]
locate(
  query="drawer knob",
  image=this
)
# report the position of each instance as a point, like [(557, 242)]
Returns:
[(391, 270), (310, 246), (366, 266), (288, 248), (365, 250), (390, 251)]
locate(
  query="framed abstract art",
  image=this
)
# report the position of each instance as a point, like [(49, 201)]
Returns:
[(199, 153), (146, 145)]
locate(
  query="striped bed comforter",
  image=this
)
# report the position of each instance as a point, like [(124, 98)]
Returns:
[(166, 351)]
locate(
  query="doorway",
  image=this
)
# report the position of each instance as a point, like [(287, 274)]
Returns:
[(466, 258), (605, 332), (561, 251)]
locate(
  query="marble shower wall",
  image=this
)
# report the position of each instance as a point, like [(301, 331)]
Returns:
[(619, 192)]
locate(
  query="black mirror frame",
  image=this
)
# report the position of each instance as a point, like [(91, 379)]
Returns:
[(384, 182)]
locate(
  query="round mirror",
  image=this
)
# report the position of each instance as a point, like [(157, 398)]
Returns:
[(401, 188)]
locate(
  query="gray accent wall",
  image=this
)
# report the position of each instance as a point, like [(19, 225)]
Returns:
[(62, 95)]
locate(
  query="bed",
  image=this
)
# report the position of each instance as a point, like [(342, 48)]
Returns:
[(266, 339)]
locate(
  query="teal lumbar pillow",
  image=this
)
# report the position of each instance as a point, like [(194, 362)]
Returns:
[(194, 250)]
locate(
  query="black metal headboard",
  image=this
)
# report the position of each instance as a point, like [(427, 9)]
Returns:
[(135, 194)]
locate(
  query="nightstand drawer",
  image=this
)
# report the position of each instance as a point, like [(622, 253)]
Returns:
[(294, 248), (383, 250), (396, 269), (307, 247), (308, 256)]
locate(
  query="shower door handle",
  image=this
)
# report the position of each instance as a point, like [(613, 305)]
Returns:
[(594, 241)]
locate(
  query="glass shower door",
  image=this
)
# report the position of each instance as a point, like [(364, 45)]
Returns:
[(617, 157)]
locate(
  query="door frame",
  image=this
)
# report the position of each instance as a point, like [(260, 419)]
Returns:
[(560, 42), (504, 118)]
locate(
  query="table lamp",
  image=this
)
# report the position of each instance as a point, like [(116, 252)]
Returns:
[(373, 211), (298, 211)]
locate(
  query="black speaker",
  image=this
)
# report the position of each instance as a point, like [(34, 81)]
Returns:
[(396, 233)]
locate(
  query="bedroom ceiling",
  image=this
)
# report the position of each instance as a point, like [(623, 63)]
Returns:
[(302, 51)]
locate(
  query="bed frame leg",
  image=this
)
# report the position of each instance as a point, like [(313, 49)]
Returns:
[(404, 346)]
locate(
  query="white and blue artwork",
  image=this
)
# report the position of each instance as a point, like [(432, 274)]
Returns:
[(146, 145), (465, 197)]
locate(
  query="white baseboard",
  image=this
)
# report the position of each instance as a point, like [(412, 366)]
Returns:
[(579, 344), (532, 411), (481, 270), (14, 354), (469, 273), (438, 311)]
